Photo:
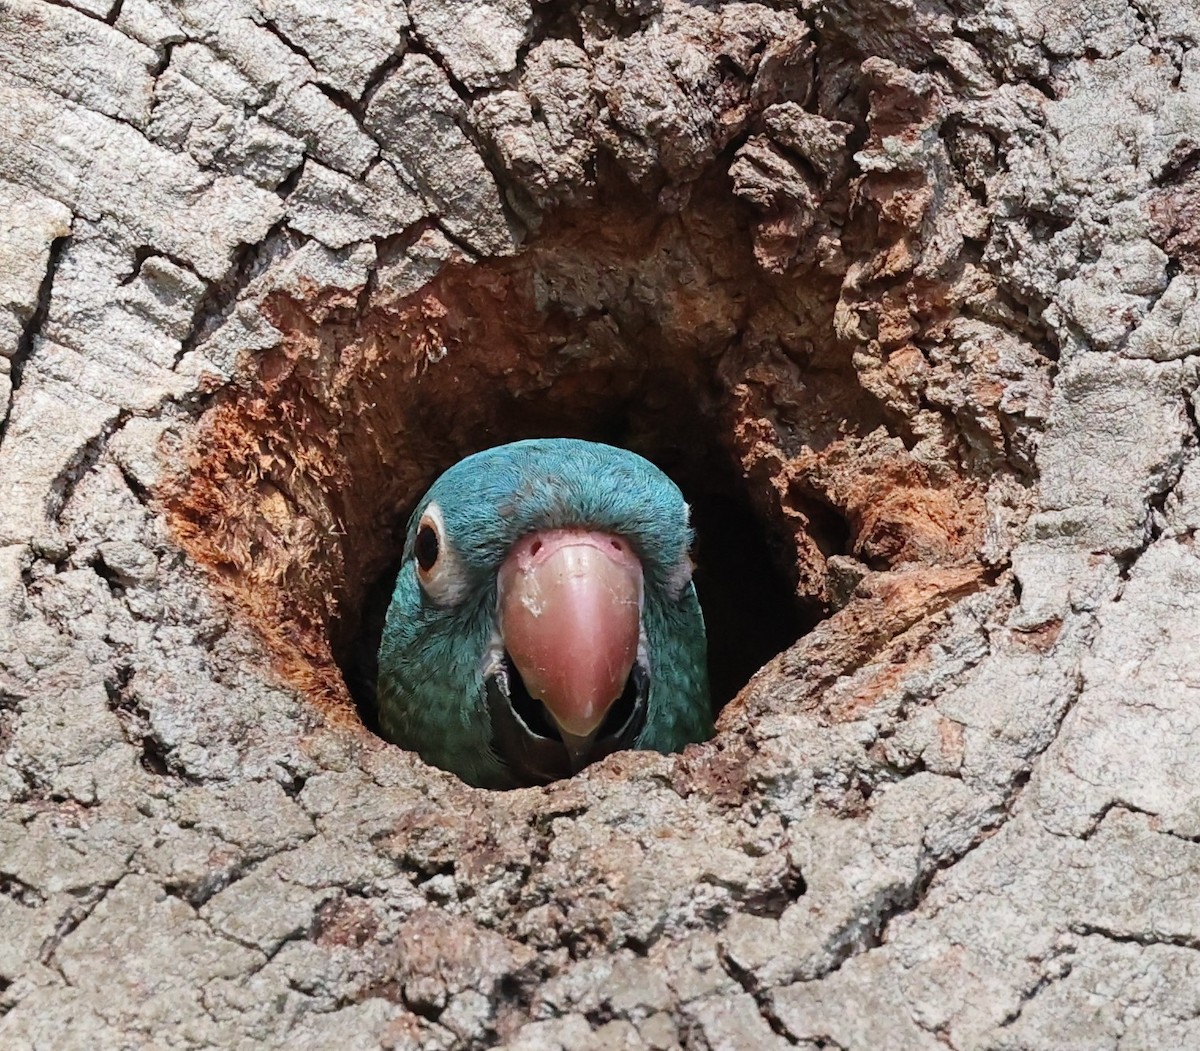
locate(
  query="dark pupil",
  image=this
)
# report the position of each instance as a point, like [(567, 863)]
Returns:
[(426, 547)]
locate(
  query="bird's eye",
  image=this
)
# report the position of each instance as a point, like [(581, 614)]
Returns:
[(426, 547), (438, 567)]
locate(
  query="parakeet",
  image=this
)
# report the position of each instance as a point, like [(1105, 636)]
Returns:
[(544, 616)]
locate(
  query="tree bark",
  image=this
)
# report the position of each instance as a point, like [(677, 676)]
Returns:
[(906, 296)]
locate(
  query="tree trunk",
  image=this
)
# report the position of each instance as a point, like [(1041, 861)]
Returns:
[(905, 296)]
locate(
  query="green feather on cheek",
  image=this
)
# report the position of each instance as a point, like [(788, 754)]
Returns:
[(544, 616)]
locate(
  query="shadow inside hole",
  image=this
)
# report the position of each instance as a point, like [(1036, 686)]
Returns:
[(359, 658), (827, 527), (751, 611)]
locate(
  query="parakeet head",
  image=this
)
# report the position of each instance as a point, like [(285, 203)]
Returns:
[(544, 615)]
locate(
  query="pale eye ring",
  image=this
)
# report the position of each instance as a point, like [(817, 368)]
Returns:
[(438, 569)]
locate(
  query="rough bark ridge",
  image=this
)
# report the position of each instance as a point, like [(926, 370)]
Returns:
[(914, 287)]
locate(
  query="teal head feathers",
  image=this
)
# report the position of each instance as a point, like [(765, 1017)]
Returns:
[(544, 616)]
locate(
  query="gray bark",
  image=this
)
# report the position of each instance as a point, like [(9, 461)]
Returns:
[(922, 279)]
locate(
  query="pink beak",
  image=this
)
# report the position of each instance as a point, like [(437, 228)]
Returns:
[(570, 614)]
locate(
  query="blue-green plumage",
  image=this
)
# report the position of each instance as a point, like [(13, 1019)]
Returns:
[(438, 684)]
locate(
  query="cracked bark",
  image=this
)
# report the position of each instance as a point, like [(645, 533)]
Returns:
[(911, 294)]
